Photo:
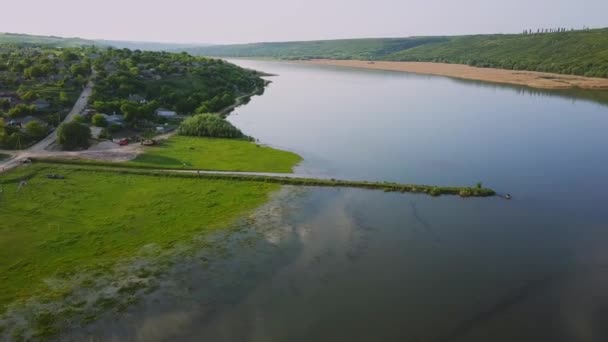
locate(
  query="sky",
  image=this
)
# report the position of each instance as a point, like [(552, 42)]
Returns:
[(243, 21)]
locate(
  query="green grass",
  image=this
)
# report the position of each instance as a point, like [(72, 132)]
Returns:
[(181, 152), (94, 218)]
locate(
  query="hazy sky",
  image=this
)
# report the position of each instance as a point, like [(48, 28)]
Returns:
[(238, 21)]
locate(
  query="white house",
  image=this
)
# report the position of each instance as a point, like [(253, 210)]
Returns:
[(165, 113)]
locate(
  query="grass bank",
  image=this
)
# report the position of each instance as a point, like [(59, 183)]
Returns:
[(4, 156), (193, 153), (54, 228)]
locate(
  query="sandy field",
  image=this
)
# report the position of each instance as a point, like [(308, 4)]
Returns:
[(526, 78)]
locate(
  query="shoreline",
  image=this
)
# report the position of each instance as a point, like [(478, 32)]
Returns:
[(533, 79)]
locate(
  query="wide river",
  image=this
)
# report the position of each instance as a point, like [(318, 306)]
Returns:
[(319, 264)]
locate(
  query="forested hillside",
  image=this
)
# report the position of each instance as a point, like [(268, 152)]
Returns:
[(570, 52), (583, 52), (333, 49)]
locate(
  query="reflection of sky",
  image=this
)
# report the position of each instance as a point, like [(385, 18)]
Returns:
[(377, 125)]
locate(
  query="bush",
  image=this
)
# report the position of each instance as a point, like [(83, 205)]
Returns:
[(99, 120), (73, 135), (209, 125)]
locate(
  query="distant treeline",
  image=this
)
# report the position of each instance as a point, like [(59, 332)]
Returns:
[(576, 52)]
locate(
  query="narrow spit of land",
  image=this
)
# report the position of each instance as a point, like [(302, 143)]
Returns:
[(278, 178), (541, 80)]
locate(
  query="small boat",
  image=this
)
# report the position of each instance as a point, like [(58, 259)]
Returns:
[(508, 196)]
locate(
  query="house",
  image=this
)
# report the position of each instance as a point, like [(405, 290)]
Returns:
[(41, 104), (114, 120), (137, 98), (165, 113), (30, 118)]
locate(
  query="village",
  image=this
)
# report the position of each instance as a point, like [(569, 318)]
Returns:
[(135, 95)]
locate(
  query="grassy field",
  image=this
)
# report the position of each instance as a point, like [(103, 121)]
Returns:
[(181, 152), (95, 218)]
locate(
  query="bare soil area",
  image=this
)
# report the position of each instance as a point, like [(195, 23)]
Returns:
[(526, 78)]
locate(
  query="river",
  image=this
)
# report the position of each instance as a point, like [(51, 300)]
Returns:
[(319, 264)]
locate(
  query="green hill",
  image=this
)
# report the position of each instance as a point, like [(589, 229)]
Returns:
[(17, 38), (372, 48), (571, 52)]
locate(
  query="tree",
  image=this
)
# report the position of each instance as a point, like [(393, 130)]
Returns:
[(5, 104), (131, 111), (99, 120), (78, 119), (29, 96), (64, 99), (35, 129), (73, 135), (21, 110), (209, 125)]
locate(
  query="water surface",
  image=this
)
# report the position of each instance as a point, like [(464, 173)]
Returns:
[(320, 264)]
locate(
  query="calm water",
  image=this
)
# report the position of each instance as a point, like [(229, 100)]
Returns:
[(355, 265)]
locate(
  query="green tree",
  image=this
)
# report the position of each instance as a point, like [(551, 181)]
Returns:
[(99, 120), (73, 135), (209, 125), (131, 111), (21, 110), (4, 104), (36, 129), (64, 99), (78, 119), (29, 95)]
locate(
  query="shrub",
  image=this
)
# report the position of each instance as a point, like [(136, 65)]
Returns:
[(209, 125), (73, 135)]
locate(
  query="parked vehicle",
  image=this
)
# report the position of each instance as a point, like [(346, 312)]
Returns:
[(14, 123), (123, 142)]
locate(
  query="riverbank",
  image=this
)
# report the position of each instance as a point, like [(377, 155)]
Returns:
[(532, 79)]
